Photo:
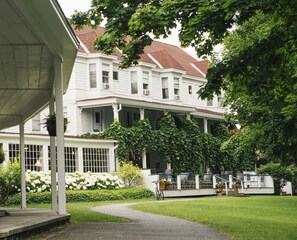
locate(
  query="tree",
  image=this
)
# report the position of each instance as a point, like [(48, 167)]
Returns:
[(257, 68)]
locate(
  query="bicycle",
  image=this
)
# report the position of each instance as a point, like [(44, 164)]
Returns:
[(159, 192)]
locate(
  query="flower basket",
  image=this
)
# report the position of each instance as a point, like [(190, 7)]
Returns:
[(50, 124)]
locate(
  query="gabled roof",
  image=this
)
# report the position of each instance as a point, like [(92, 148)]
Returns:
[(166, 55)]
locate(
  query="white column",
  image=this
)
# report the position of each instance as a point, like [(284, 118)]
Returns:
[(188, 116), (178, 182), (53, 163), (22, 162), (214, 181), (230, 181), (80, 159), (116, 109), (60, 135), (197, 182), (144, 162), (205, 125), (168, 166), (45, 157)]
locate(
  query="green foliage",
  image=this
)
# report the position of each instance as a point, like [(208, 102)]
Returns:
[(280, 174), (2, 155), (85, 196), (10, 180), (130, 174), (257, 67), (239, 152)]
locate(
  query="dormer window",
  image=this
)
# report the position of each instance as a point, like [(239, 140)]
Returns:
[(145, 83), (165, 92), (92, 75), (105, 76), (134, 88), (176, 88)]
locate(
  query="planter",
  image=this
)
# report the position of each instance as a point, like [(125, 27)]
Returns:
[(163, 186), (53, 132)]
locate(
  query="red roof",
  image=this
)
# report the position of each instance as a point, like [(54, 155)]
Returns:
[(167, 55)]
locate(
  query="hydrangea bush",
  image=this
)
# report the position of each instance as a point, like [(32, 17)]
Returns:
[(41, 181)]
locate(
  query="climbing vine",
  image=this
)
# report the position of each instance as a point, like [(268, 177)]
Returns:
[(182, 144)]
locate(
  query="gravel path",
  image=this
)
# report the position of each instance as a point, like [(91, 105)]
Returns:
[(142, 226)]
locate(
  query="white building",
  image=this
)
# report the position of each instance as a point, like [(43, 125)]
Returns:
[(165, 80)]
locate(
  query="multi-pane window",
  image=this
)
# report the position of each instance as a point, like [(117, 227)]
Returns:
[(36, 123), (92, 75), (33, 153), (145, 82), (220, 100), (165, 91), (105, 73), (134, 88), (96, 159), (71, 159), (115, 75), (209, 102), (176, 86)]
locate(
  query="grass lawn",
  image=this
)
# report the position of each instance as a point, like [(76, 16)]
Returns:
[(81, 211), (257, 217)]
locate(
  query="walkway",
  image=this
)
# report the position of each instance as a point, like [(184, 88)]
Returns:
[(142, 226)]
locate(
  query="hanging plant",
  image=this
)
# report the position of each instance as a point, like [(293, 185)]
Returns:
[(50, 124)]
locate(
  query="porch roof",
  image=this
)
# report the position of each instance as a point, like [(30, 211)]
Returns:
[(33, 33), (148, 104)]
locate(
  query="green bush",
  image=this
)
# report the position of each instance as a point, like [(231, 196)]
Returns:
[(10, 180), (280, 174), (85, 195), (130, 174)]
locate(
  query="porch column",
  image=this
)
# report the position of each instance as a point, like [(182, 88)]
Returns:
[(60, 135), (116, 109), (188, 116), (22, 162), (197, 186), (53, 162), (144, 162), (205, 125)]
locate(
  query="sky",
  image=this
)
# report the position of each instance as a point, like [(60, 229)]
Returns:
[(69, 6)]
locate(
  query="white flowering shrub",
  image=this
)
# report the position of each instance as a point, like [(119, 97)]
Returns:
[(41, 181)]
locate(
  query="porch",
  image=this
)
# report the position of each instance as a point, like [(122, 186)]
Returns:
[(187, 184), (19, 223)]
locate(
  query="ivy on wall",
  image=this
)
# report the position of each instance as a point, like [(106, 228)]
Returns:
[(182, 144)]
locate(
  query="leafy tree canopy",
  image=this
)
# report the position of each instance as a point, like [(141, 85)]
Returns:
[(257, 67)]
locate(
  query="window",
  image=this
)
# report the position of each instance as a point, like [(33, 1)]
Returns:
[(97, 124), (134, 88), (71, 159), (33, 153), (190, 89), (176, 86), (220, 100), (92, 75), (209, 102), (145, 80), (165, 92), (115, 75), (96, 159), (105, 73), (36, 123)]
